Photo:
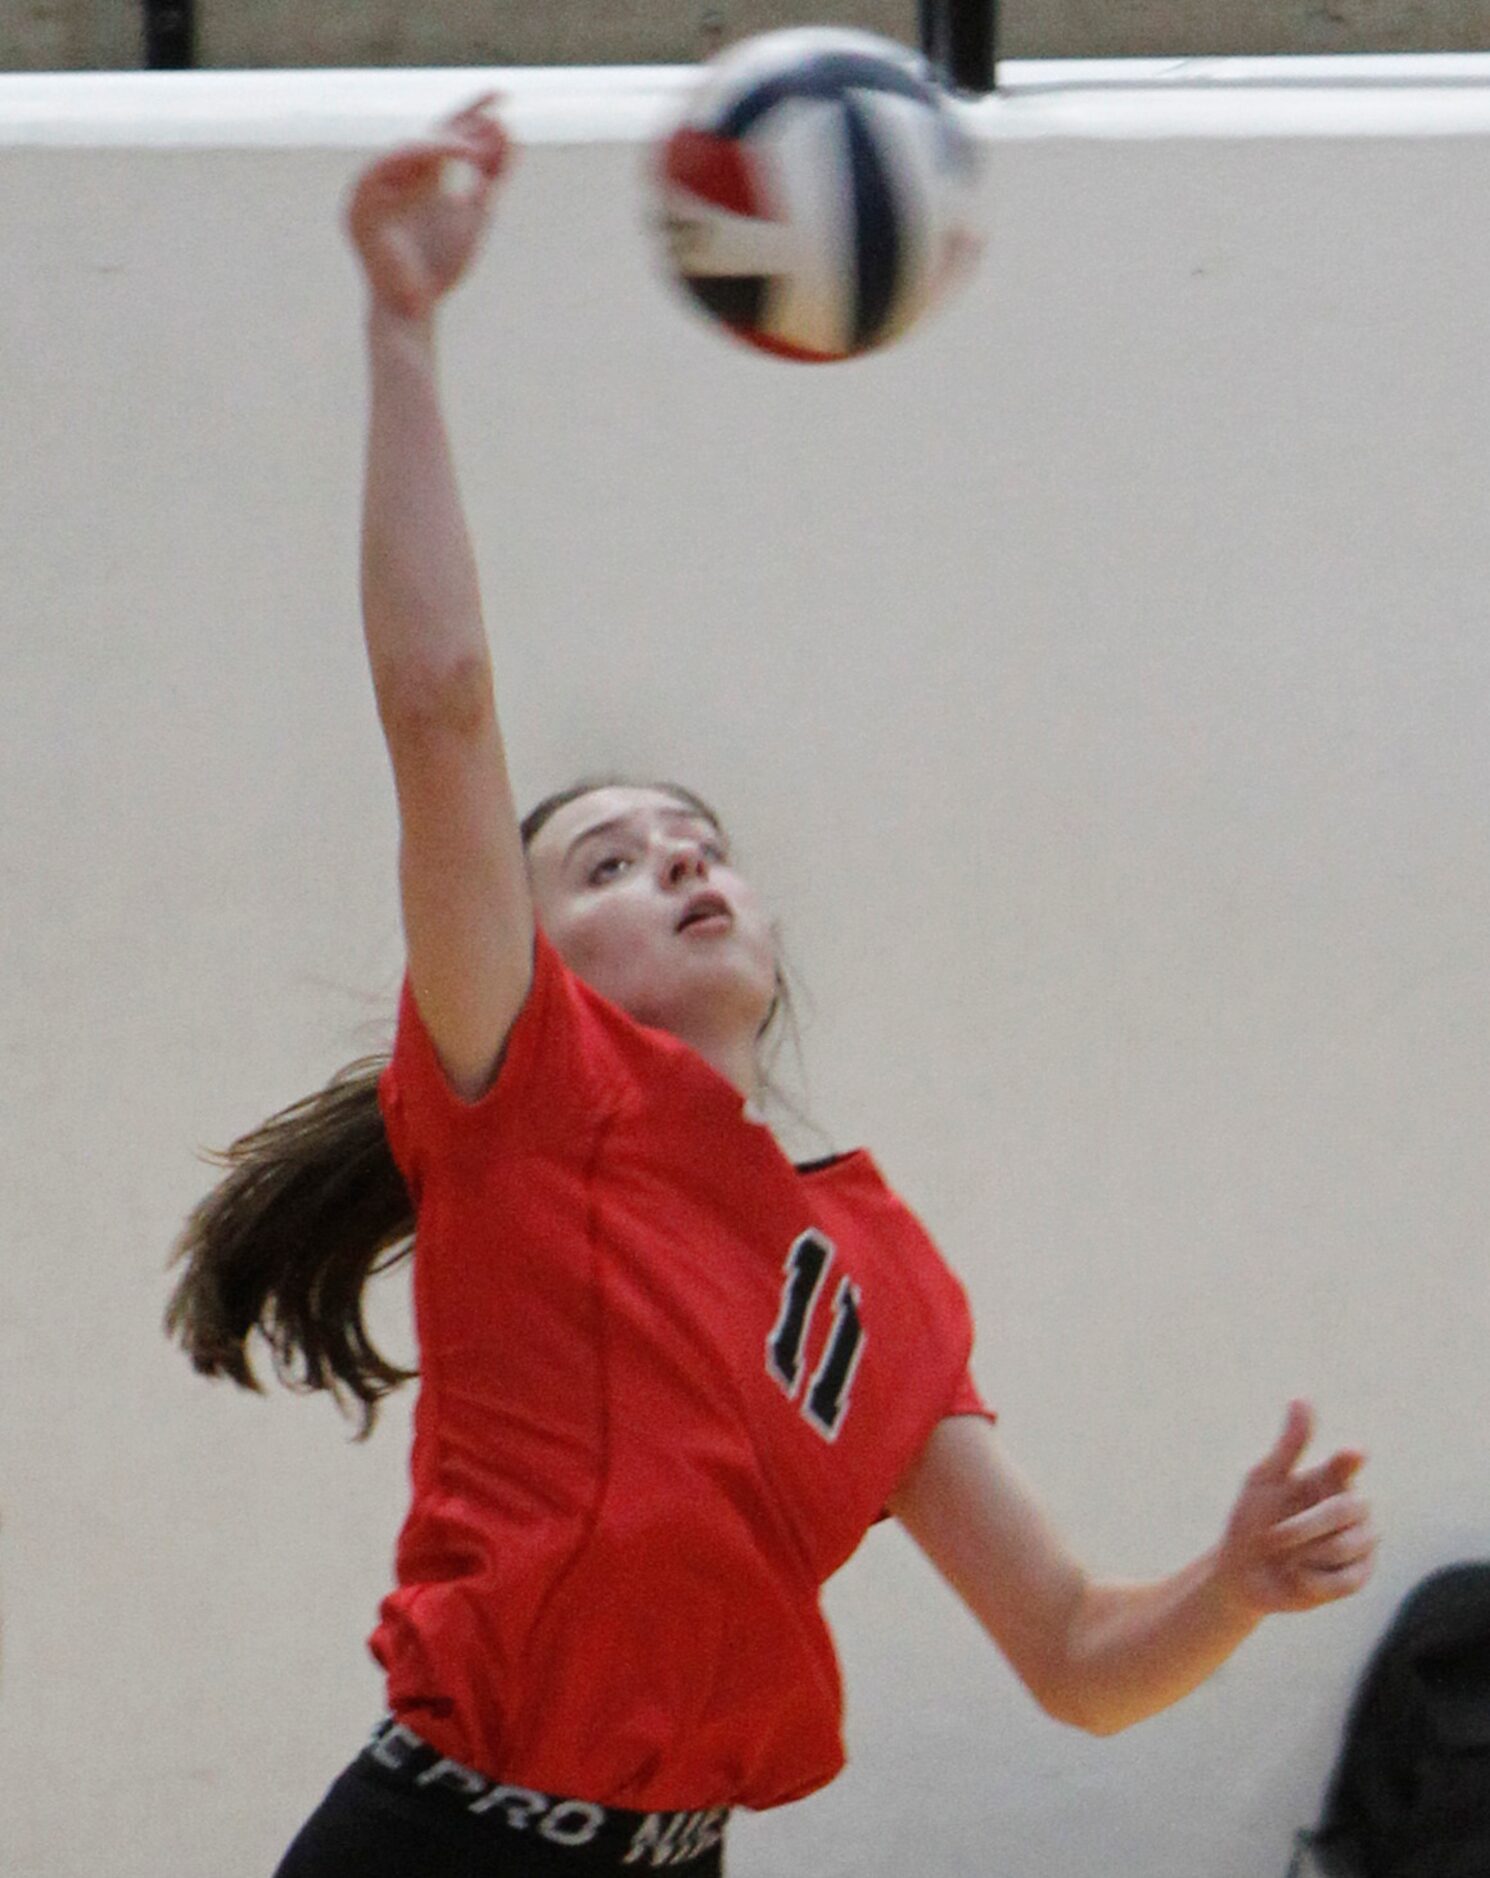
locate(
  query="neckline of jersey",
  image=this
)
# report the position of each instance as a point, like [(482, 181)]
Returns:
[(826, 1163), (717, 1087)]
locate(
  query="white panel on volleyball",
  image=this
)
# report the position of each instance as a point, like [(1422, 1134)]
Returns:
[(806, 168)]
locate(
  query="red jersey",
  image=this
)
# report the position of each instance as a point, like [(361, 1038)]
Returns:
[(668, 1380)]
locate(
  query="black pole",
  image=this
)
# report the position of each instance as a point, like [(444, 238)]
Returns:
[(960, 37), (974, 39), (170, 35)]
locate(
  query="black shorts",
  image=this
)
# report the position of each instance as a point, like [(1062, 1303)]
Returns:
[(401, 1810)]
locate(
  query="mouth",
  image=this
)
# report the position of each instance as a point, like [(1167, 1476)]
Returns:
[(705, 908)]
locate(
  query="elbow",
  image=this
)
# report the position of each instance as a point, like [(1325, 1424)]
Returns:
[(1103, 1726), (1074, 1683), (1075, 1707), (1071, 1715), (1087, 1723)]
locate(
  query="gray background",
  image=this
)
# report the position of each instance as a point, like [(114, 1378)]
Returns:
[(73, 35)]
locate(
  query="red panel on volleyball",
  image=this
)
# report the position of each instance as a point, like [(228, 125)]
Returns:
[(715, 169)]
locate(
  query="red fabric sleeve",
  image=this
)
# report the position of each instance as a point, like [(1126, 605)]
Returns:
[(549, 1078), (966, 1400)]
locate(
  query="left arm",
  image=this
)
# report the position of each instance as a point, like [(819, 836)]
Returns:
[(1101, 1654)]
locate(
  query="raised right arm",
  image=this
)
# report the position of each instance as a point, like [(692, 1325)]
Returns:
[(467, 912)]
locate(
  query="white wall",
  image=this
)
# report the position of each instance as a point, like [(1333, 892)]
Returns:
[(1100, 687)]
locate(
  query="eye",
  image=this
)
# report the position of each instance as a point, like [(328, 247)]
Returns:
[(601, 871), (716, 851)]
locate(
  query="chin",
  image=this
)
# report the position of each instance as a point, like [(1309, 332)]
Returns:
[(718, 1001)]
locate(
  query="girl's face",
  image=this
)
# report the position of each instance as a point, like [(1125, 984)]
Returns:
[(637, 895)]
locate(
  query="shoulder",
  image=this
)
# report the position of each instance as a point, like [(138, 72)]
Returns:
[(558, 1062)]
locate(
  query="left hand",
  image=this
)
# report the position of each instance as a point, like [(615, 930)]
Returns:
[(1296, 1540)]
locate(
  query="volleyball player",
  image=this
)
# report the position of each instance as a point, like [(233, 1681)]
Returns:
[(667, 1379)]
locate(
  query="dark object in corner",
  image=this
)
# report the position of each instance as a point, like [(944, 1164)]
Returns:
[(1410, 1794)]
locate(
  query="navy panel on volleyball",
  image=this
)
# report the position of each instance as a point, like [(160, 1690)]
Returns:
[(817, 195), (823, 75)]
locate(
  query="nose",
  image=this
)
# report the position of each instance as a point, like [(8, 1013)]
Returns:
[(684, 860)]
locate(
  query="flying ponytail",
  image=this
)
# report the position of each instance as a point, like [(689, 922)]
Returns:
[(311, 1206)]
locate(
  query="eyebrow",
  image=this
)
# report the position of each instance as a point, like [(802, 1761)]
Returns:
[(615, 822)]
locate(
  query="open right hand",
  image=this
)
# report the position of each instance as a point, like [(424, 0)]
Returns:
[(1298, 1538), (417, 216)]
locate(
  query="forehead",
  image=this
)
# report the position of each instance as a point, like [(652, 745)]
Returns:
[(644, 806)]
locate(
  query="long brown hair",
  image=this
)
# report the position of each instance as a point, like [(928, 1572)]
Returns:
[(312, 1205)]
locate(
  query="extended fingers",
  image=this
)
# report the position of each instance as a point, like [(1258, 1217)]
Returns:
[(1337, 1566), (470, 162), (469, 151), (415, 168), (410, 167), (483, 139), (1298, 1425), (1342, 1513), (1326, 1552), (477, 112), (1324, 1482)]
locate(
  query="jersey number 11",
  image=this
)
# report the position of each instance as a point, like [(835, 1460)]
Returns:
[(826, 1399)]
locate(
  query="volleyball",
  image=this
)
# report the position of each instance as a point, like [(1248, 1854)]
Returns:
[(817, 196)]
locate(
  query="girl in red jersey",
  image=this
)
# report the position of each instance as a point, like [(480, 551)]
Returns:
[(667, 1378)]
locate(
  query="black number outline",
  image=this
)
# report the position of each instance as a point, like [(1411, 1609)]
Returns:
[(806, 1267)]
